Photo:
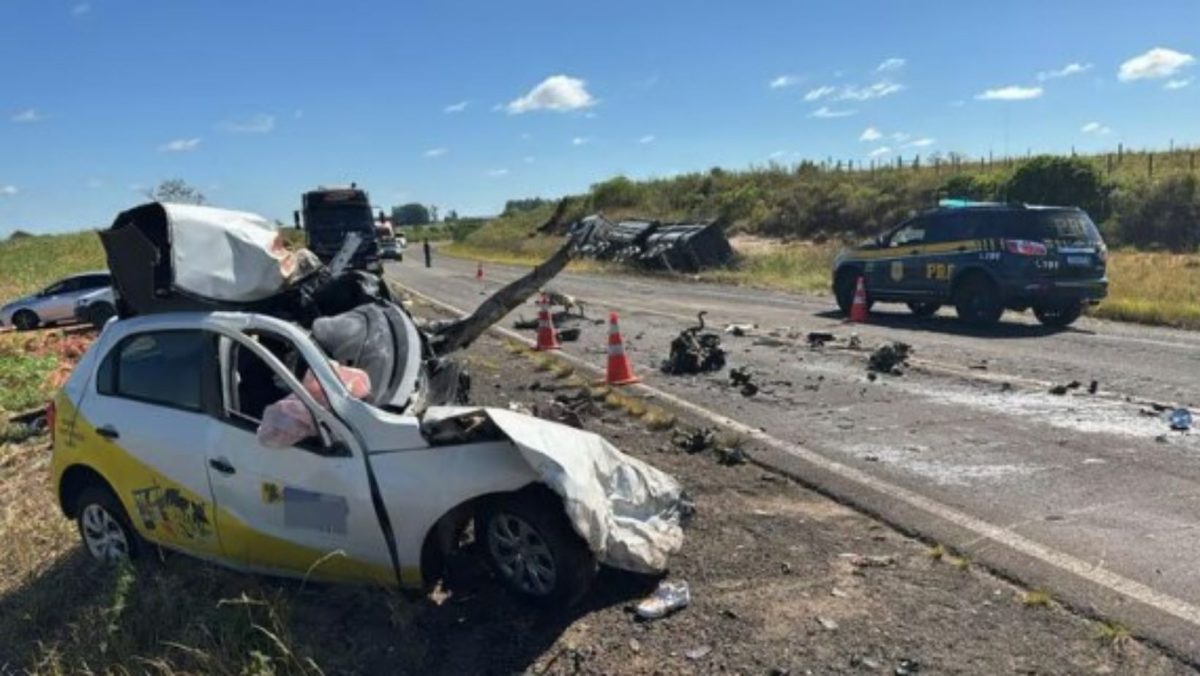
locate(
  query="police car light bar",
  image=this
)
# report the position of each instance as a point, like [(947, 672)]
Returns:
[(962, 204)]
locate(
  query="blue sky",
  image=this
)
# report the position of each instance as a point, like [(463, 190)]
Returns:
[(465, 104)]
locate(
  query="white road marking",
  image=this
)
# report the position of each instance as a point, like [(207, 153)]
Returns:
[(1093, 573)]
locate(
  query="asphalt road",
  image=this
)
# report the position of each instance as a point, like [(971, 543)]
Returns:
[(1101, 498)]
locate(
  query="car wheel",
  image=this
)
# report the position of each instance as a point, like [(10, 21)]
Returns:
[(844, 286), (977, 301), (531, 546), (98, 314), (104, 526), (924, 309), (1058, 315), (26, 320)]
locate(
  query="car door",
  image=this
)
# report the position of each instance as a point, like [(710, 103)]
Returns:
[(305, 509), (897, 270), (940, 252), (57, 302), (145, 424)]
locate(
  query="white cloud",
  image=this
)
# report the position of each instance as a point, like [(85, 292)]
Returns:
[(819, 93), (778, 155), (879, 152), (890, 64), (900, 136), (456, 107), (825, 112), (870, 134), (1177, 84), (1010, 93), (180, 145), (255, 124), (557, 92), (648, 138), (497, 172), (923, 142), (1066, 71), (81, 8), (874, 91), (1095, 128), (784, 81), (1157, 63), (26, 116), (580, 140), (435, 152), (8, 190)]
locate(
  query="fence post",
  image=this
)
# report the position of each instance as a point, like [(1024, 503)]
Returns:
[(1149, 165), (1191, 161), (1120, 152), (1108, 162)]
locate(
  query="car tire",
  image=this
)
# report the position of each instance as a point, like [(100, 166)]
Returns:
[(977, 301), (97, 314), (530, 545), (924, 309), (844, 286), (1058, 315), (104, 526), (26, 320)]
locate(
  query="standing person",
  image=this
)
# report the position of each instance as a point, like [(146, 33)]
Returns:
[(428, 254)]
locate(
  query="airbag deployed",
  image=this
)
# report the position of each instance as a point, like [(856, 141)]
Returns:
[(627, 511)]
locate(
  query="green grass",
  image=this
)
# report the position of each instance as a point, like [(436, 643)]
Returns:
[(31, 263), (23, 375)]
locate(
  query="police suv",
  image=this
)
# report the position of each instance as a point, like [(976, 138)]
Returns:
[(983, 258)]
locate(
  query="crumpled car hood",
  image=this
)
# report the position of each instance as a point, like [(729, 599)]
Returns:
[(627, 511)]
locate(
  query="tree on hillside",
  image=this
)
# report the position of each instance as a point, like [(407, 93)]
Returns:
[(178, 191), (1164, 215), (1060, 181), (451, 216), (410, 214)]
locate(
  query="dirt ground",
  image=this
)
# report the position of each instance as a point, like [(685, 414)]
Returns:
[(783, 581)]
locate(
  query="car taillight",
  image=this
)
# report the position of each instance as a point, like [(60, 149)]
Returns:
[(51, 417), (1024, 247), (1102, 253)]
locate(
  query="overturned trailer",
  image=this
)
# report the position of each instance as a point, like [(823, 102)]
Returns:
[(679, 247)]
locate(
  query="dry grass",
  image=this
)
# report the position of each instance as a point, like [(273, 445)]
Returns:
[(1153, 288), (1036, 598), (658, 420)]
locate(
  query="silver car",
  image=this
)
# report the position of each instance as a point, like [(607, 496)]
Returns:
[(53, 304)]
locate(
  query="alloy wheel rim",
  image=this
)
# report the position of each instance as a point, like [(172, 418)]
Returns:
[(522, 555), (103, 534)]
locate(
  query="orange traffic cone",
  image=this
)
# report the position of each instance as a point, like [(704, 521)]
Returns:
[(479, 270), (620, 371), (858, 309), (547, 337)]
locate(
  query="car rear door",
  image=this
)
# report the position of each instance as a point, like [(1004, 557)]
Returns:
[(948, 242), (144, 423), (305, 509)]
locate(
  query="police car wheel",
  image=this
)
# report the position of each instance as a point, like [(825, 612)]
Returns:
[(978, 301), (1058, 315), (924, 309)]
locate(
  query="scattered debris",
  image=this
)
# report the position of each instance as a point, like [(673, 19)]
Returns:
[(769, 341), (1060, 390), (680, 247), (730, 456), (740, 329), (1094, 387), (666, 599), (817, 339), (907, 667), (1181, 420), (827, 624), (569, 335), (695, 351), (981, 365), (523, 324), (870, 560), (741, 378), (855, 343), (889, 358), (699, 652)]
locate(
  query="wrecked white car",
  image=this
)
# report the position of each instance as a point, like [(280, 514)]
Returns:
[(173, 430)]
